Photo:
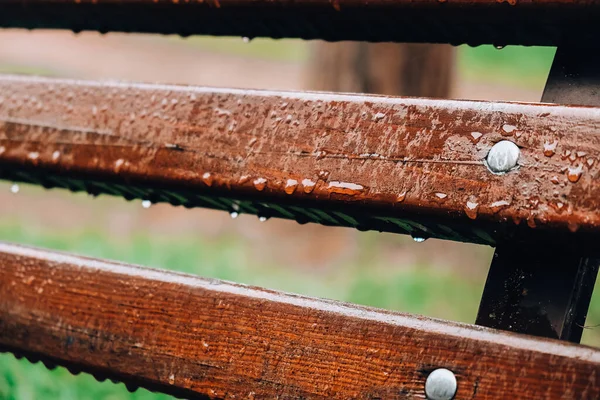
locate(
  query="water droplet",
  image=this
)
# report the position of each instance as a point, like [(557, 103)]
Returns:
[(243, 179), (246, 39), (320, 154), (573, 226), (171, 379), (499, 205), (2, 149), (14, 188), (573, 156), (419, 239), (378, 116), (550, 148), (345, 188), (581, 154), (499, 46), (555, 180), (207, 178), (34, 155), (234, 214), (476, 136), (146, 203), (290, 186), (118, 164), (557, 205), (309, 185), (260, 183), (441, 196), (262, 218), (590, 161), (400, 198), (471, 209), (508, 128), (574, 173), (323, 175)]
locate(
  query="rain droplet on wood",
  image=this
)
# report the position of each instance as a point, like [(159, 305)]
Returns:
[(574, 173), (550, 148), (260, 183), (290, 186)]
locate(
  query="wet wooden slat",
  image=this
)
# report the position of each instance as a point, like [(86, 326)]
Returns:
[(196, 337), (540, 22), (394, 164)]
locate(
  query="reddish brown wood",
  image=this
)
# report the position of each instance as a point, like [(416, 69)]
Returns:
[(192, 336), (539, 22), (371, 162)]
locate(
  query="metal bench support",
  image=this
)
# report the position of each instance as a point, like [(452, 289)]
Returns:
[(574, 77), (541, 287), (538, 289)]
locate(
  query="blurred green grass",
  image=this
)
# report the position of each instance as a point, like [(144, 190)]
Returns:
[(514, 65), (518, 66)]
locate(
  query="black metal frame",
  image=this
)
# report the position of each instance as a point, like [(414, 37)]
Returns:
[(543, 287)]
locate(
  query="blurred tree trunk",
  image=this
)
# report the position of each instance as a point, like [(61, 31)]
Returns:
[(424, 70)]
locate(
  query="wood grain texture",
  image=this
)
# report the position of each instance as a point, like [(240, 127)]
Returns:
[(197, 337), (523, 22), (402, 165)]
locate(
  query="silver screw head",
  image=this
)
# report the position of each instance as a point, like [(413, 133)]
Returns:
[(503, 157), (440, 385)]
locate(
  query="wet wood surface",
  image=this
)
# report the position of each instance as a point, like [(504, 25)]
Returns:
[(199, 338), (524, 22), (402, 165)]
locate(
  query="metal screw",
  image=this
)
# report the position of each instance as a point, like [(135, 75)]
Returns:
[(503, 157), (440, 385)]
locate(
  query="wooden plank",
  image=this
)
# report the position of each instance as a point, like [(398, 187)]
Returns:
[(540, 22), (190, 336), (402, 165)]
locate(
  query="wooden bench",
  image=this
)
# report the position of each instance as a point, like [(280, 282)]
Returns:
[(520, 177)]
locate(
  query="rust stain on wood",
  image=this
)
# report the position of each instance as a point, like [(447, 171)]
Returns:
[(395, 164), (196, 337)]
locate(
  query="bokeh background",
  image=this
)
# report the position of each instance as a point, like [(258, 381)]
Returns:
[(434, 278)]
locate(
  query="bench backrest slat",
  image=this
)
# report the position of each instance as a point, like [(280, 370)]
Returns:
[(403, 165)]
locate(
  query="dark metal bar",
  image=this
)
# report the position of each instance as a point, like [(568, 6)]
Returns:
[(540, 288), (543, 286), (574, 77), (540, 22)]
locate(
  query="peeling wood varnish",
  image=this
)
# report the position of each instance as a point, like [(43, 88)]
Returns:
[(196, 337), (396, 164)]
